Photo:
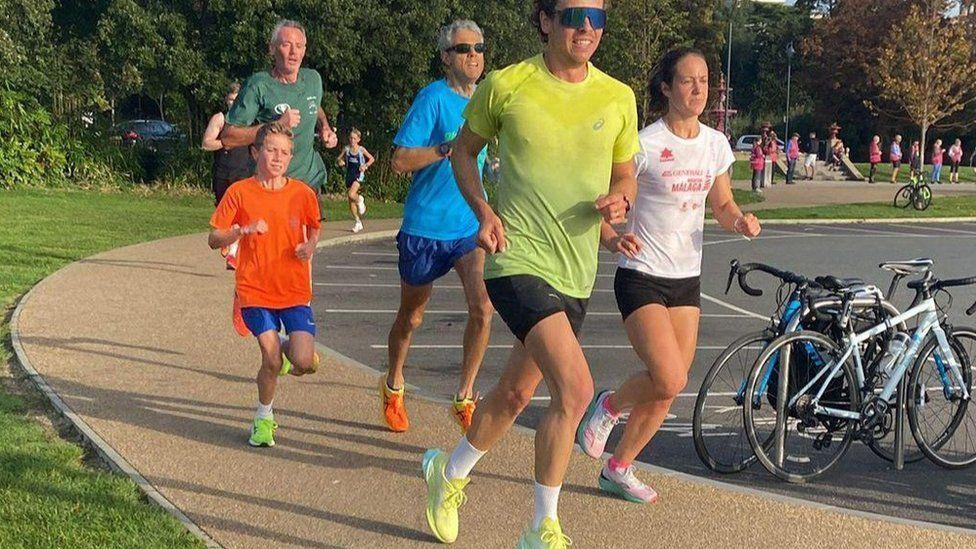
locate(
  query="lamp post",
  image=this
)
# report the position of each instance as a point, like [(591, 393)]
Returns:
[(730, 5), (789, 72)]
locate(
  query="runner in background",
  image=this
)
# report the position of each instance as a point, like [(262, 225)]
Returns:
[(229, 165), (356, 160)]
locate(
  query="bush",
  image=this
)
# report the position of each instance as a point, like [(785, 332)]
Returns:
[(39, 151)]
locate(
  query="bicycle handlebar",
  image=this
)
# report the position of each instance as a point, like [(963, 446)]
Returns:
[(739, 271)]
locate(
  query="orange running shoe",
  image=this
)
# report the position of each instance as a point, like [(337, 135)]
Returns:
[(392, 409), (462, 411)]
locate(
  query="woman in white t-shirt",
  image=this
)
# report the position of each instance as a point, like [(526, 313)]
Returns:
[(681, 164)]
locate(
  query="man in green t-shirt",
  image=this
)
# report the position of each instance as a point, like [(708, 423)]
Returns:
[(567, 135), (290, 96)]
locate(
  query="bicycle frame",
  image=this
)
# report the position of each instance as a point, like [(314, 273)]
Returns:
[(929, 322)]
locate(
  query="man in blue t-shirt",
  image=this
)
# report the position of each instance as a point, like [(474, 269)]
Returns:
[(439, 228)]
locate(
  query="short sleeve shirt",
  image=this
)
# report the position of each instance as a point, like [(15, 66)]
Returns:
[(268, 272), (263, 99), (674, 176), (558, 142), (435, 207)]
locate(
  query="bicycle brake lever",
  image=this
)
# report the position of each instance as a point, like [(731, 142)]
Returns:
[(733, 269)]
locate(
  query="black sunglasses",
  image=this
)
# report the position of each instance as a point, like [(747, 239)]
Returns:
[(466, 48)]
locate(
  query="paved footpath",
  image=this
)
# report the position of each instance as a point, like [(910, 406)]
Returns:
[(138, 343)]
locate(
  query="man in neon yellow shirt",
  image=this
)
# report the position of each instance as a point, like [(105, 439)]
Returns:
[(567, 135)]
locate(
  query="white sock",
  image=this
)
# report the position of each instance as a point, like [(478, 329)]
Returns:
[(232, 249), (264, 411), (546, 502), (462, 460)]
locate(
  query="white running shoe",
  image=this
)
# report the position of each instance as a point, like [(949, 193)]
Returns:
[(361, 204), (357, 227), (595, 428), (626, 485)]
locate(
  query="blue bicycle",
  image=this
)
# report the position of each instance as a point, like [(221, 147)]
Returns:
[(717, 427)]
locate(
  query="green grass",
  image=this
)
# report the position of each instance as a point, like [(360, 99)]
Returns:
[(48, 497), (942, 206)]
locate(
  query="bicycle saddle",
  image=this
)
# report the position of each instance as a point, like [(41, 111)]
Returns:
[(834, 283), (908, 267)]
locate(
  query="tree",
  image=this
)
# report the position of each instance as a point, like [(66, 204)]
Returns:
[(844, 45), (926, 68)]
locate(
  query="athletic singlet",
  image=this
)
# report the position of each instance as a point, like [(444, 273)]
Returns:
[(353, 162)]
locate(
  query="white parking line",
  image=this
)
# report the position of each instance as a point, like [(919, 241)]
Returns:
[(931, 228)]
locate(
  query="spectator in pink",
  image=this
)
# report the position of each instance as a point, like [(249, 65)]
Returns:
[(894, 154), (937, 154), (757, 161), (874, 156), (955, 157), (792, 154)]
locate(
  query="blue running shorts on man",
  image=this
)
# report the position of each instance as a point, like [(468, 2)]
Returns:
[(424, 260)]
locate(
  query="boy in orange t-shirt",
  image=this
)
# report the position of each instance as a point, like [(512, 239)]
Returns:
[(277, 222)]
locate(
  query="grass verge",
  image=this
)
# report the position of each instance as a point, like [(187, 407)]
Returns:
[(48, 496)]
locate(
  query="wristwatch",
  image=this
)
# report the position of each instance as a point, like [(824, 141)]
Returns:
[(444, 148)]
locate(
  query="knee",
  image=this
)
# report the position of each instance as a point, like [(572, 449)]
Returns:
[(574, 401), (516, 399), (670, 386), (351, 195), (410, 320), (271, 364)]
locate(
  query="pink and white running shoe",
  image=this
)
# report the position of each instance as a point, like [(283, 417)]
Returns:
[(595, 428), (624, 483)]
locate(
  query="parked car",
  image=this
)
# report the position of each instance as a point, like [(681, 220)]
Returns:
[(153, 134), (746, 142)]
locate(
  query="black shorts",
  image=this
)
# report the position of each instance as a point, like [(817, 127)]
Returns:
[(954, 167), (524, 300), (219, 186), (895, 164), (635, 289)]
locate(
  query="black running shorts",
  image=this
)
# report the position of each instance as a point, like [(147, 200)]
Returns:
[(524, 300), (635, 289)]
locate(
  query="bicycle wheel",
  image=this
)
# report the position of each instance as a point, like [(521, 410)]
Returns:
[(903, 198), (943, 424), (922, 197), (792, 441), (720, 439)]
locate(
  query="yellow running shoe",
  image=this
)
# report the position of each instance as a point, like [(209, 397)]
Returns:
[(462, 411), (444, 496), (548, 536), (392, 408)]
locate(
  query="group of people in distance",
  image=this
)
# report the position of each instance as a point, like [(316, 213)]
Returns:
[(938, 154), (576, 173)]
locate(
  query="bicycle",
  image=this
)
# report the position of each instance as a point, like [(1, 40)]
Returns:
[(717, 415), (830, 402), (916, 193)]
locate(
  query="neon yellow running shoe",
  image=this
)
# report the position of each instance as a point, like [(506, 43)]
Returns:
[(548, 536), (262, 432), (286, 366), (444, 496)]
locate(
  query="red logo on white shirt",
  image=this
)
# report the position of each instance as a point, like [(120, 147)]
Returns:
[(667, 155)]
